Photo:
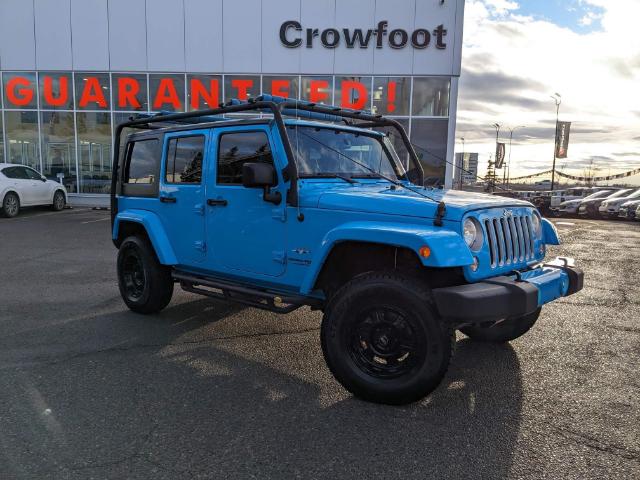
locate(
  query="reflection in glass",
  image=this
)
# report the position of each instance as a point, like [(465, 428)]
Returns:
[(21, 131), (94, 151), (19, 90), (166, 92), (56, 91), (205, 91), (241, 87), (2, 159), (353, 93), (281, 86), (431, 96), (317, 89), (92, 91), (429, 138), (58, 148), (391, 95), (130, 92)]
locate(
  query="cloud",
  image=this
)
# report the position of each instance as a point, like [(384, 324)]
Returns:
[(513, 63)]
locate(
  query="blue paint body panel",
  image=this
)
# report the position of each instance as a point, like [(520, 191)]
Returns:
[(257, 243)]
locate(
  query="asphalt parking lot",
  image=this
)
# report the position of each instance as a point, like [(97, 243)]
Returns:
[(89, 390)]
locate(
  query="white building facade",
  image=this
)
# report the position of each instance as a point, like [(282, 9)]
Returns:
[(70, 70)]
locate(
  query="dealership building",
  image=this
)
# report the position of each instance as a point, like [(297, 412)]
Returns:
[(71, 70)]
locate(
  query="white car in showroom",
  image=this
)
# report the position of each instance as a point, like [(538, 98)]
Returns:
[(609, 208), (22, 186)]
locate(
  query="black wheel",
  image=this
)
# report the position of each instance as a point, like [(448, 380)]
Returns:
[(58, 201), (383, 340), (145, 284), (10, 205), (504, 331)]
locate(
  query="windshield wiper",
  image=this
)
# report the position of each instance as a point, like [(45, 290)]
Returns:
[(367, 175), (329, 175)]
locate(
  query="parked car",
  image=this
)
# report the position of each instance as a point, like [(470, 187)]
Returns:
[(226, 209), (638, 213), (570, 207), (22, 186), (543, 185), (560, 196), (628, 210), (590, 208), (609, 207)]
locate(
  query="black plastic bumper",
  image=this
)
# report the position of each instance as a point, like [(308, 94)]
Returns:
[(495, 298)]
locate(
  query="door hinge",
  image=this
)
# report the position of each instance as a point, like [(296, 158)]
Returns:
[(198, 208), (279, 214), (200, 245), (279, 256)]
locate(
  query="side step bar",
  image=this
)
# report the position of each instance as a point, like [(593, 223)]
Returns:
[(258, 298)]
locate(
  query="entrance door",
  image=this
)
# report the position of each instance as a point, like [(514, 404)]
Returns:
[(246, 233), (181, 205)]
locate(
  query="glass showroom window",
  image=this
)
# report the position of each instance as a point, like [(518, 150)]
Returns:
[(431, 96), (166, 92), (93, 91), (241, 87), (317, 89), (204, 91), (353, 92), (391, 95), (21, 132), (56, 90), (130, 92), (59, 148), (429, 138), (1, 138), (19, 90), (94, 151), (281, 86)]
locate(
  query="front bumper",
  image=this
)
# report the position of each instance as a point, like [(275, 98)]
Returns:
[(510, 296)]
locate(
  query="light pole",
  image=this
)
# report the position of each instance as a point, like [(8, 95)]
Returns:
[(508, 167), (460, 170), (557, 98), (492, 164)]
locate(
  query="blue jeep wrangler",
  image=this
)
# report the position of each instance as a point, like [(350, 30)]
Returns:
[(311, 205)]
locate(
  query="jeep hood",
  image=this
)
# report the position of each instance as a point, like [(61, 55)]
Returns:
[(380, 198)]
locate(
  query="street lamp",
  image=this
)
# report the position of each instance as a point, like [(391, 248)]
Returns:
[(492, 171), (557, 98), (508, 167), (461, 166)]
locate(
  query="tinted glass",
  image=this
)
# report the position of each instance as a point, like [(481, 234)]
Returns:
[(141, 165), (391, 95), (94, 151), (92, 91), (429, 138), (166, 92), (59, 147), (205, 91), (32, 174), (241, 87), (130, 92), (21, 173), (184, 160), (10, 172), (20, 90), (238, 148), (431, 96), (281, 86), (353, 93), (21, 132)]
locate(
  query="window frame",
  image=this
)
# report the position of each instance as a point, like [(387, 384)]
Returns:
[(141, 189), (232, 132), (165, 158)]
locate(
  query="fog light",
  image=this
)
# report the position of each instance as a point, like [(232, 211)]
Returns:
[(474, 265)]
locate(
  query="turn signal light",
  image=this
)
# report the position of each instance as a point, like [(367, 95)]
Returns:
[(424, 252)]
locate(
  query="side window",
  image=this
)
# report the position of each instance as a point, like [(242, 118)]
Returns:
[(141, 161), (10, 172), (184, 159), (33, 175), (237, 148), (20, 173)]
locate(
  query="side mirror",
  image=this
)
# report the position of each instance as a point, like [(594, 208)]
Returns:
[(261, 175), (43, 178)]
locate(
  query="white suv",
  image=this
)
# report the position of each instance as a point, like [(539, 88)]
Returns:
[(22, 186)]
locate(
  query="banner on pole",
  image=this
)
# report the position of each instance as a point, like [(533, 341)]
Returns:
[(562, 139), (500, 149)]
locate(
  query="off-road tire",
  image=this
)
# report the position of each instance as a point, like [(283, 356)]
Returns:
[(58, 201), (145, 284), (502, 332), (346, 353), (10, 205)]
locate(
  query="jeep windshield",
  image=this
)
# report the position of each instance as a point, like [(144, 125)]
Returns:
[(333, 152)]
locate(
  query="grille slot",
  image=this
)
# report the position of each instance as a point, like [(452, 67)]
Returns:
[(510, 239)]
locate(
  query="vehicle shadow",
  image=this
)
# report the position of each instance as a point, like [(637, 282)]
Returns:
[(211, 390)]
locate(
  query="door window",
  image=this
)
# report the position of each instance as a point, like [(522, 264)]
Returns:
[(141, 164), (32, 174), (238, 148), (184, 159)]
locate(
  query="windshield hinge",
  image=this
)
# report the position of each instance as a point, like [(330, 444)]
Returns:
[(442, 208)]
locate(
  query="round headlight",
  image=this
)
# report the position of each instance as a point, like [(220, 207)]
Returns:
[(537, 225), (472, 234)]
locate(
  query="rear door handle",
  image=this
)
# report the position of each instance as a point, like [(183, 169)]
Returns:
[(168, 199), (217, 202)]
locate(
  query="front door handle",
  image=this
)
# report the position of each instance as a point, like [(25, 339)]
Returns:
[(168, 199), (217, 202)]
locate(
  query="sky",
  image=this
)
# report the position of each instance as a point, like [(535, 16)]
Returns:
[(516, 54)]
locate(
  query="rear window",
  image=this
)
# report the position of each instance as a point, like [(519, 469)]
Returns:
[(141, 164), (184, 159)]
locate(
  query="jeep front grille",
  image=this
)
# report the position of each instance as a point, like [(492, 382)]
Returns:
[(510, 239)]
